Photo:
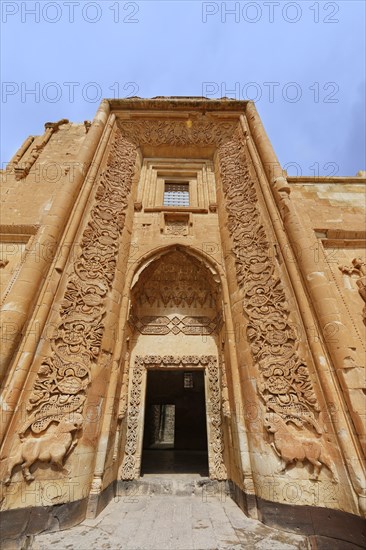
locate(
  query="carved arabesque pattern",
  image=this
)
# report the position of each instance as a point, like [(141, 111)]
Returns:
[(199, 131), (216, 440), (188, 325), (284, 383), (63, 377), (134, 407), (130, 465)]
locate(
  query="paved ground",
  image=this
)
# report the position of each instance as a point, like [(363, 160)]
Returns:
[(170, 522)]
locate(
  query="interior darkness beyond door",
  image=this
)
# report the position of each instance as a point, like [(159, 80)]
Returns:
[(175, 432)]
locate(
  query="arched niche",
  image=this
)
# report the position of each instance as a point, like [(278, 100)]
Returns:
[(176, 305), (176, 324)]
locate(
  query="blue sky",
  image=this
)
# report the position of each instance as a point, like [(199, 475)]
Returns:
[(303, 62)]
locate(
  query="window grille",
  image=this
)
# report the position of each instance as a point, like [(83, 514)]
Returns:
[(176, 194), (188, 380)]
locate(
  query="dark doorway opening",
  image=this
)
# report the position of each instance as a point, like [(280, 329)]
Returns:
[(175, 431)]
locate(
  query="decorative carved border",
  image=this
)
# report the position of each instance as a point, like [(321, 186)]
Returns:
[(188, 325), (217, 469), (200, 131), (13, 231), (133, 412), (284, 383), (60, 386)]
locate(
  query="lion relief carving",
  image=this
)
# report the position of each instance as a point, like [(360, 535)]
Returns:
[(292, 450), (50, 447)]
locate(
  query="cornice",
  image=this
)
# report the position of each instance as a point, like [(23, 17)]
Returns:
[(178, 103)]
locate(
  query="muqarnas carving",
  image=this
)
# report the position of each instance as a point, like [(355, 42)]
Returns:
[(176, 280), (59, 391)]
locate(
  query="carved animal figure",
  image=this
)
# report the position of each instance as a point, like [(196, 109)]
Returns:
[(52, 447), (292, 449)]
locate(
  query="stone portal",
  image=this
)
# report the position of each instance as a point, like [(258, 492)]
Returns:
[(175, 311), (173, 245)]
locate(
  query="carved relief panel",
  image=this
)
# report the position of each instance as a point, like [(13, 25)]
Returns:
[(284, 383), (55, 407)]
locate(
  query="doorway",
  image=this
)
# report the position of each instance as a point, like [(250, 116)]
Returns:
[(175, 429), (208, 366)]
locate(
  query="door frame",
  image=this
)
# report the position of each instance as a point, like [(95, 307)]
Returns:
[(131, 466)]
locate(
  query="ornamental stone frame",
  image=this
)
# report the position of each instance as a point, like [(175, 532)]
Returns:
[(135, 415)]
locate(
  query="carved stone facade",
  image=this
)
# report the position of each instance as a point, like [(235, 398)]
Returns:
[(250, 282)]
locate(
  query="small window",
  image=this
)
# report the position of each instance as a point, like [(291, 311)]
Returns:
[(188, 380), (176, 194)]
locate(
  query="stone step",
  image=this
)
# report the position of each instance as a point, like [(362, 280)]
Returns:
[(173, 485)]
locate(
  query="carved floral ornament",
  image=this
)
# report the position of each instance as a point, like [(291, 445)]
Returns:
[(131, 466), (60, 387), (188, 325), (59, 390), (284, 383), (202, 131)]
